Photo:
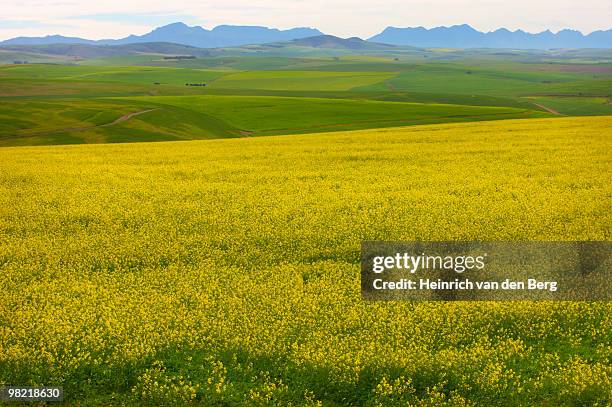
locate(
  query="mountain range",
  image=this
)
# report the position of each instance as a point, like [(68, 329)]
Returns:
[(464, 36), (457, 36), (180, 33)]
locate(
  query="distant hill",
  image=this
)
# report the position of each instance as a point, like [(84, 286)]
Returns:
[(49, 39), (330, 41), (180, 33), (323, 43), (97, 51), (88, 51), (464, 36)]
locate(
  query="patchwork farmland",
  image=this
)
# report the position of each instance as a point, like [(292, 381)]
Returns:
[(165, 244)]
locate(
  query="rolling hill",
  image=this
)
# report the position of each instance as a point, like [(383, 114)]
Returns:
[(330, 41), (98, 51)]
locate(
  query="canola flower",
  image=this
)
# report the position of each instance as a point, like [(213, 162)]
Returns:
[(226, 272)]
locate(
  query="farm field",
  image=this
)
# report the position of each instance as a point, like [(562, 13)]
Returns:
[(162, 118), (219, 272), (147, 98)]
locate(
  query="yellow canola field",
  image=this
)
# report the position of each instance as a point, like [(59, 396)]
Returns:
[(227, 271)]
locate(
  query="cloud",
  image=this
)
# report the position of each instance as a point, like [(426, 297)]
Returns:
[(15, 28)]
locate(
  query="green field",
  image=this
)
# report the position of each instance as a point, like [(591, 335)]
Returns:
[(247, 96), (576, 105), (226, 272), (211, 116), (300, 80)]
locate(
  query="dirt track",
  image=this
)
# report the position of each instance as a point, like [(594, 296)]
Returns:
[(125, 118), (548, 109)]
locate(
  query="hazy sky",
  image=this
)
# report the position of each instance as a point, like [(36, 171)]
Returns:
[(118, 18)]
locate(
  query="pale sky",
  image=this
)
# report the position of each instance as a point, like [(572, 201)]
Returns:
[(344, 18)]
